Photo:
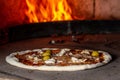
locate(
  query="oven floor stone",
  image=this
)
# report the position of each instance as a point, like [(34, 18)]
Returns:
[(6, 76), (109, 71)]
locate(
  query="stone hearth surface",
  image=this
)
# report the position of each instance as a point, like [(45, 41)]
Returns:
[(106, 42)]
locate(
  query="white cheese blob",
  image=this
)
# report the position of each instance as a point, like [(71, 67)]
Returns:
[(59, 61), (61, 53), (35, 58), (85, 52), (50, 61), (38, 50), (70, 53), (74, 59), (97, 59), (82, 60), (30, 57)]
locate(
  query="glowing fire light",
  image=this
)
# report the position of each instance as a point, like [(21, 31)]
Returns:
[(48, 10)]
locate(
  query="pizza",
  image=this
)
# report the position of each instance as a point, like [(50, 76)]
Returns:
[(59, 59)]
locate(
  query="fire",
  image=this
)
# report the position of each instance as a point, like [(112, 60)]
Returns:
[(48, 10)]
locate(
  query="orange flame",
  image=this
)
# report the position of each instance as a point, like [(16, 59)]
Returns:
[(48, 10)]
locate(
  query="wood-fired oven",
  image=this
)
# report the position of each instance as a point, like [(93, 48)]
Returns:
[(31, 24)]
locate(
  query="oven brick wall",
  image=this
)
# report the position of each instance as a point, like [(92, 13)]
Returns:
[(12, 12), (82, 8), (107, 9)]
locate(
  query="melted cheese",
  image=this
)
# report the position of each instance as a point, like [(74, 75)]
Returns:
[(74, 59), (85, 52), (50, 61), (62, 52)]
